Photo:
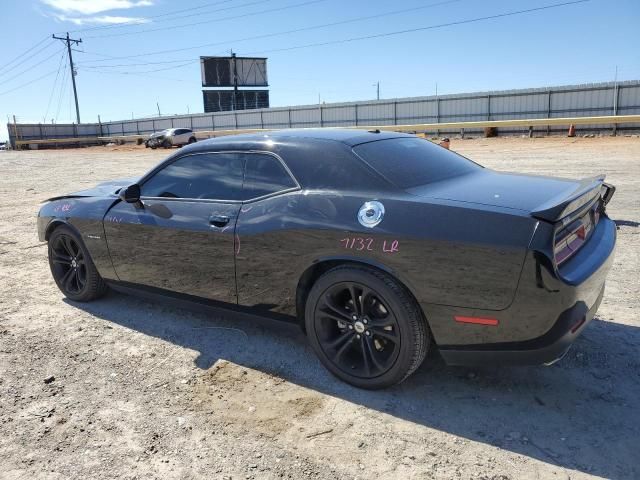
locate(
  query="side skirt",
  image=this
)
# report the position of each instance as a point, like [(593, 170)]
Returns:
[(194, 303)]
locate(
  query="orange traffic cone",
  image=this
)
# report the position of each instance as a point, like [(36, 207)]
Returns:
[(572, 131)]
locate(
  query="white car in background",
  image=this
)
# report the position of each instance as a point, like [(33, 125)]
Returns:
[(171, 137)]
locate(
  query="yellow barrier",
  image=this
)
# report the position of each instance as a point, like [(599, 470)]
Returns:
[(420, 127)]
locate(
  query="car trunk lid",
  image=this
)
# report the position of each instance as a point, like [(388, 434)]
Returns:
[(573, 206), (546, 198)]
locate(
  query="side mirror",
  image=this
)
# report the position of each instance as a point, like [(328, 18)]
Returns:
[(130, 194)]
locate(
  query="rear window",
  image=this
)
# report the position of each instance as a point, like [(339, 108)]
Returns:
[(409, 162)]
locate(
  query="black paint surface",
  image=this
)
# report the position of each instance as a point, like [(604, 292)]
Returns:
[(465, 245)]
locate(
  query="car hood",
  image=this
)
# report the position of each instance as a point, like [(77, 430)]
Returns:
[(527, 193), (104, 189), (157, 135)]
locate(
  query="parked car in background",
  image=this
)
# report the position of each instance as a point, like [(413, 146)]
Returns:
[(381, 245), (171, 137)]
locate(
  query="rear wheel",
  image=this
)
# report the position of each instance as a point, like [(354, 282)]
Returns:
[(72, 267), (192, 140), (365, 327)]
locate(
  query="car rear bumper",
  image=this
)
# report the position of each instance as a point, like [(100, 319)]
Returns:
[(550, 310), (545, 349)]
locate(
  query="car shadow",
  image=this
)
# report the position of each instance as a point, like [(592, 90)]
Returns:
[(579, 414)]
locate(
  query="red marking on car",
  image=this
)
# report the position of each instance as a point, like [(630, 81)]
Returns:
[(477, 320), (392, 248), (360, 244)]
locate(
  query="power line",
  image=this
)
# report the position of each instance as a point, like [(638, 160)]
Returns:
[(249, 4), (182, 60), (250, 14), (69, 41), (184, 64), (64, 76), (137, 74), (55, 84), (171, 13), (24, 53), (25, 59), (430, 27), (28, 69), (419, 29), (268, 35), (28, 83)]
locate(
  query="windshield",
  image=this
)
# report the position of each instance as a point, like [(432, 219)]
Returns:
[(410, 161)]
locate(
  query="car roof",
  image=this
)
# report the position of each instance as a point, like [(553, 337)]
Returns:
[(318, 157), (348, 136)]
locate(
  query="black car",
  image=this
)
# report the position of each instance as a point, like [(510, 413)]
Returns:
[(381, 245)]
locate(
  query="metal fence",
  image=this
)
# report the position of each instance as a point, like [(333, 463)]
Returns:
[(621, 98)]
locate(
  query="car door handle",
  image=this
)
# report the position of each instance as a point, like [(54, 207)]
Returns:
[(219, 220)]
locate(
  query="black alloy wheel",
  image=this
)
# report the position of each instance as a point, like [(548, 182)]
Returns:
[(365, 327), (69, 268), (357, 329), (72, 267)]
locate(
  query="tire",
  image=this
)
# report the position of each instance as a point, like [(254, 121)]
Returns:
[(153, 147), (166, 143), (72, 268), (372, 342), (192, 140)]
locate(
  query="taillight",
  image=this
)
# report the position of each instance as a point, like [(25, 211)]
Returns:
[(569, 240)]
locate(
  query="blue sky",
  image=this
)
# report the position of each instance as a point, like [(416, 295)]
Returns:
[(577, 43)]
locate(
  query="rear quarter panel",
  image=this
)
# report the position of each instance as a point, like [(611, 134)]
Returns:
[(445, 254)]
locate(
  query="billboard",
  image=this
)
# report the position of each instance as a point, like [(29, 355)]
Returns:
[(223, 100), (219, 71)]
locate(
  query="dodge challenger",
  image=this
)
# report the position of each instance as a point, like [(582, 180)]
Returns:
[(380, 245)]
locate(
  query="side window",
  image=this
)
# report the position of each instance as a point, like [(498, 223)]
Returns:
[(263, 175), (211, 175)]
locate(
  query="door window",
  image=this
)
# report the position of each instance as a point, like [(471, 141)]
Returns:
[(216, 176), (264, 174)]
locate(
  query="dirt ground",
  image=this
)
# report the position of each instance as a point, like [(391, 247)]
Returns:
[(124, 388)]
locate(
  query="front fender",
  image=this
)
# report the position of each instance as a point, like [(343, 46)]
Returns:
[(84, 215)]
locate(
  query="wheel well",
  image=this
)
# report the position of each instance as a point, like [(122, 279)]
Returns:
[(315, 271), (51, 227)]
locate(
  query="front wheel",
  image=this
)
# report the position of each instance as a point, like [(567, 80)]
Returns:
[(72, 267), (166, 143), (365, 327)]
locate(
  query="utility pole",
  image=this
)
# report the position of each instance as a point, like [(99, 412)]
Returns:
[(235, 81), (615, 92), (69, 41), (615, 100), (378, 89)]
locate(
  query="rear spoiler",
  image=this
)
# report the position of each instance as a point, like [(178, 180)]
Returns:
[(558, 208)]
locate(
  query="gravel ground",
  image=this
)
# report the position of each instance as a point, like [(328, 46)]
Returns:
[(124, 388)]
